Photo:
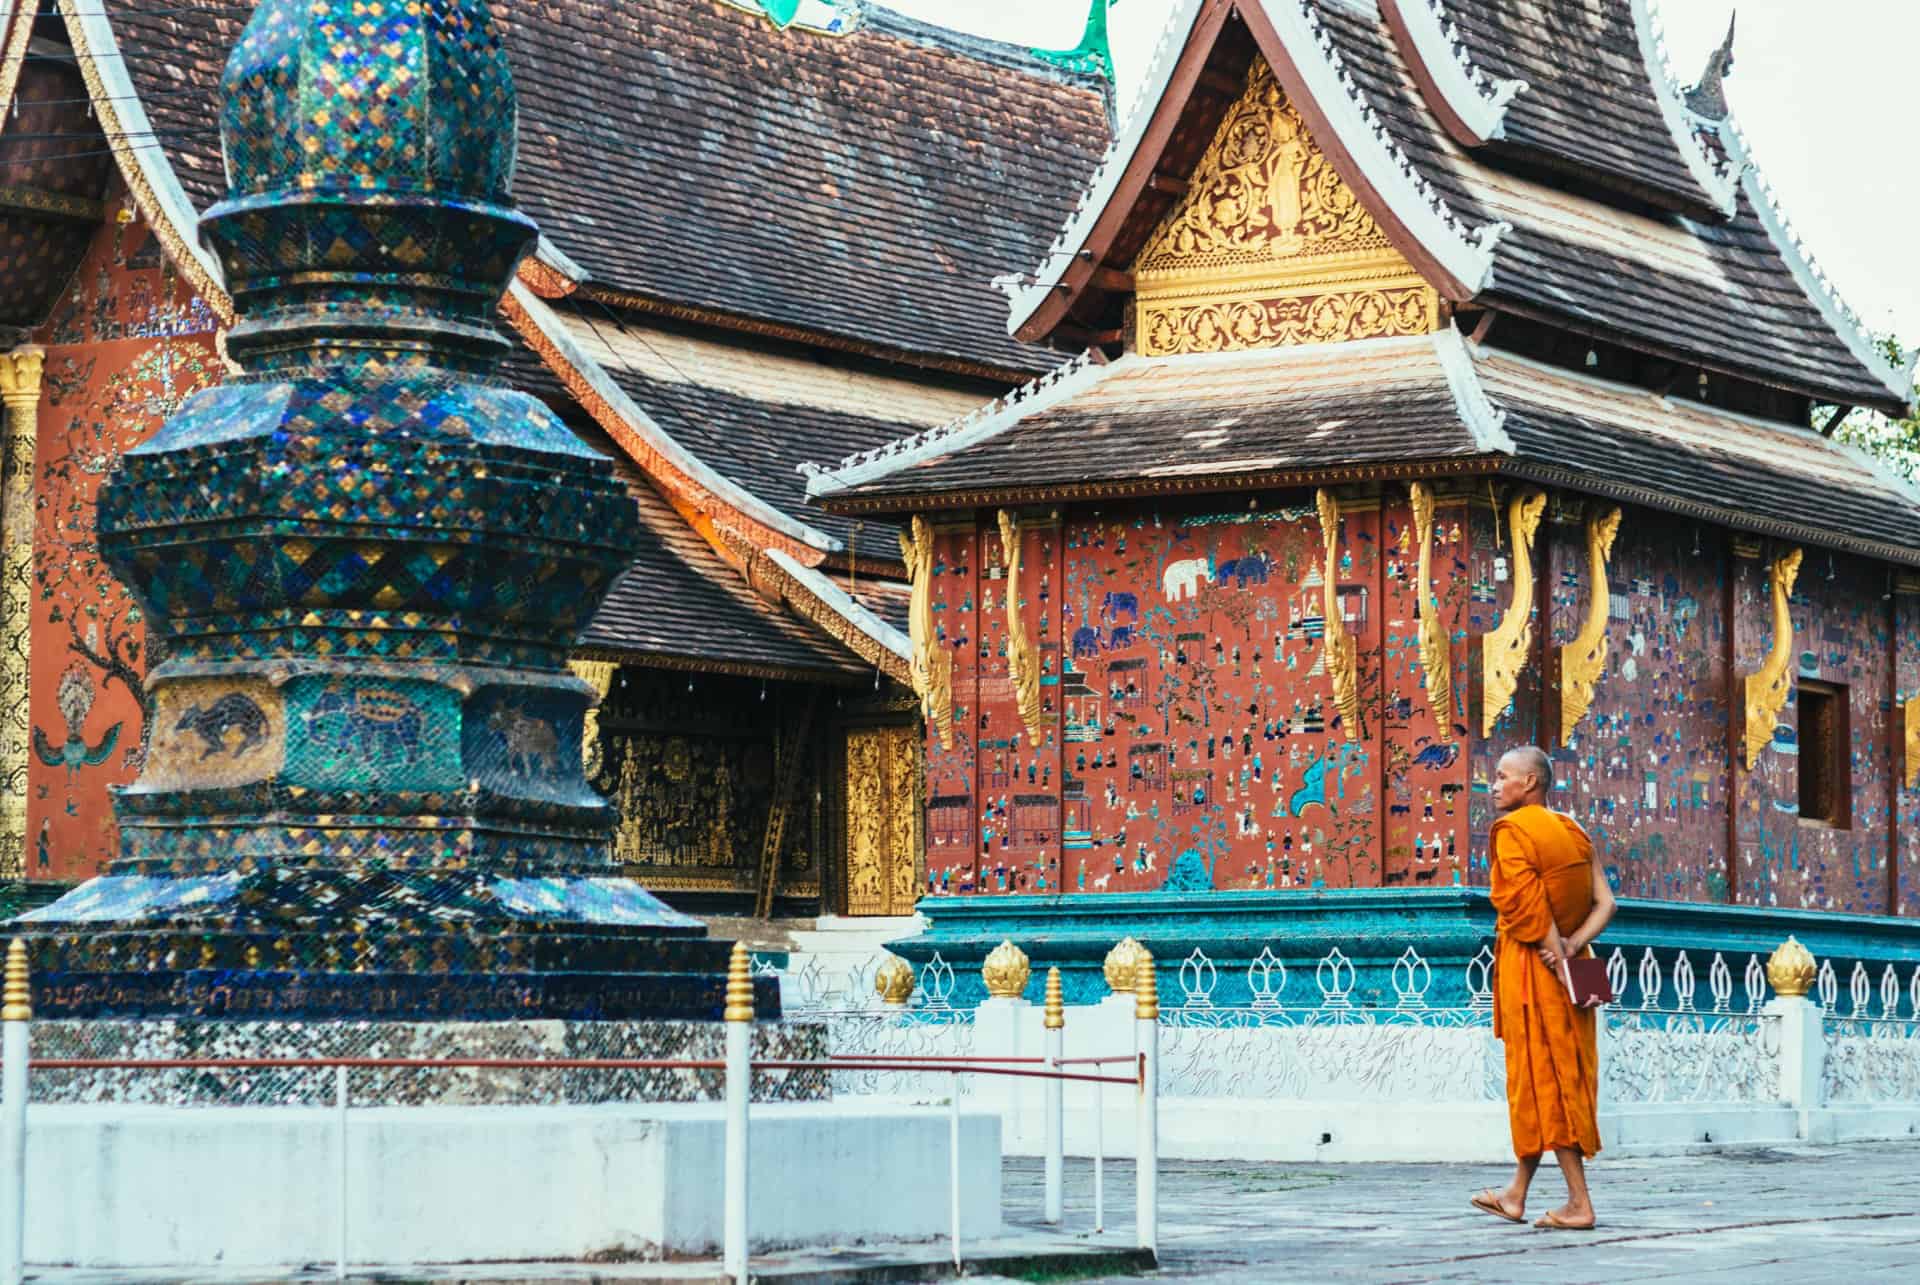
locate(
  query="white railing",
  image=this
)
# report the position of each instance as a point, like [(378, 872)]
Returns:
[(1662, 1046)]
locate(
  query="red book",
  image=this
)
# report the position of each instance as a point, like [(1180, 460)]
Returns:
[(1586, 981)]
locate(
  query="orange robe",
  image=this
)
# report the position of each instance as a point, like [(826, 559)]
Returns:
[(1542, 874)]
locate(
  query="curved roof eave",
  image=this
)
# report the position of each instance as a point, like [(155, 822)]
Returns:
[(1469, 104), (142, 161), (1722, 186)]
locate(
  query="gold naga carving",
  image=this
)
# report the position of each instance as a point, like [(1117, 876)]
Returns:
[(1270, 247), (1436, 648), (1023, 658), (1583, 660), (597, 674), (1767, 688), (1342, 652), (931, 667), (1911, 769), (1505, 647)]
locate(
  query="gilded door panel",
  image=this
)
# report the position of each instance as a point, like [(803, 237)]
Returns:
[(882, 811)]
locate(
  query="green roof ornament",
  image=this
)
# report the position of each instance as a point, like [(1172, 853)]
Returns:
[(1094, 53), (783, 12)]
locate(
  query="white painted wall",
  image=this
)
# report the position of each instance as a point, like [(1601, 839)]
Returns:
[(126, 1187)]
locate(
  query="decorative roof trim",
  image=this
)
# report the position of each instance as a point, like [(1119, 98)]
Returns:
[(1812, 278), (1721, 184), (1024, 296), (833, 609), (976, 426), (649, 445), (1308, 65), (558, 261), (1486, 421), (143, 163), (638, 658), (13, 55), (1469, 103)]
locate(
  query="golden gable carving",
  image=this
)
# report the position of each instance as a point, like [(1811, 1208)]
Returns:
[(1270, 247)]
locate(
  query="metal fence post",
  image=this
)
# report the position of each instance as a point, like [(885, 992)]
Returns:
[(1100, 1155), (1146, 1014), (738, 1019), (1056, 1021), (340, 1132), (16, 1014)]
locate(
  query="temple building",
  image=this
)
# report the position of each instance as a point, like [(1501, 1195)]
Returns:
[(758, 247), (1449, 380)]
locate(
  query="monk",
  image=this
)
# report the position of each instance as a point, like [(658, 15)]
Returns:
[(1552, 900)]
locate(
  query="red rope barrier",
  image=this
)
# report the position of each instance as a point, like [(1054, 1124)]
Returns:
[(946, 1069), (398, 1063)]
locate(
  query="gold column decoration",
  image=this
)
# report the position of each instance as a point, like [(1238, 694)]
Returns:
[(1023, 658), (1436, 648), (16, 1002), (893, 982), (1056, 1018), (20, 391), (597, 674), (1505, 647), (931, 666), (739, 1007), (1342, 653), (1790, 970), (1146, 990), (1911, 708), (1583, 660), (1006, 971), (1767, 689), (1120, 965)]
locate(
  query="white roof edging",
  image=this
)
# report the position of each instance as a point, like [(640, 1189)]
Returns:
[(1722, 186), (1479, 100), (843, 604), (624, 406), (560, 261), (1484, 420), (977, 426)]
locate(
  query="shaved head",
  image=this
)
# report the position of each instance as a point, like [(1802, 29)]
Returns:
[(1524, 776)]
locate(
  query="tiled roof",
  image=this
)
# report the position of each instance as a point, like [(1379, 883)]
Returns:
[(867, 187), (1408, 407)]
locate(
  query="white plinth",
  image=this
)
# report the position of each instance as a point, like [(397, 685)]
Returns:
[(133, 1186)]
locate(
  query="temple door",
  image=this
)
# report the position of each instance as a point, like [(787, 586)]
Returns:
[(883, 819)]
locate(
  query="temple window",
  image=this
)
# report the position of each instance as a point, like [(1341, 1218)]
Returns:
[(1825, 790)]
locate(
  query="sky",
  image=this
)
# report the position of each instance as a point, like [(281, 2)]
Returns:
[(1824, 91)]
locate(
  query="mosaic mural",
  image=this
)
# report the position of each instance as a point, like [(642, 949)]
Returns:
[(127, 345)]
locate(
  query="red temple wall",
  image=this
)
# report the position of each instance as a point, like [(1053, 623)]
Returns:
[(126, 345), (1906, 845), (1161, 679)]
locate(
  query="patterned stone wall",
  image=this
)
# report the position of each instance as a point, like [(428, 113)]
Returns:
[(126, 345)]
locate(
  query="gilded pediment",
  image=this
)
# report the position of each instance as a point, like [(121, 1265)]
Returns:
[(1269, 246)]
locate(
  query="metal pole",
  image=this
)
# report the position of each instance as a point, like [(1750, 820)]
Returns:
[(1099, 1158), (16, 1015), (340, 1132), (738, 1019), (953, 1164), (1056, 1021), (1146, 1014)]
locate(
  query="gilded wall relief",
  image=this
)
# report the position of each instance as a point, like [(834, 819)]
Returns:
[(1910, 729), (1505, 648), (1343, 660), (216, 732), (1766, 690), (1023, 657), (1583, 660), (1436, 646), (597, 674), (931, 665), (883, 772), (1270, 247)]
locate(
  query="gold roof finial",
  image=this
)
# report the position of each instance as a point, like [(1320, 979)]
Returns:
[(1056, 1001), (1146, 989), (739, 985), (1006, 971), (893, 981), (16, 1003), (1790, 971), (1119, 966)]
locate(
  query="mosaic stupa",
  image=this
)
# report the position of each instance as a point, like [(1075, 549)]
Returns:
[(361, 562)]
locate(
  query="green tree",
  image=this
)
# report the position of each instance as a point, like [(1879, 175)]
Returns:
[(1895, 442)]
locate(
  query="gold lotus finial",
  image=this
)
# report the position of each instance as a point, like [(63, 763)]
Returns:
[(1119, 966), (739, 986), (16, 1002), (1006, 971), (893, 982), (1790, 971), (1056, 1001), (1146, 989)]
